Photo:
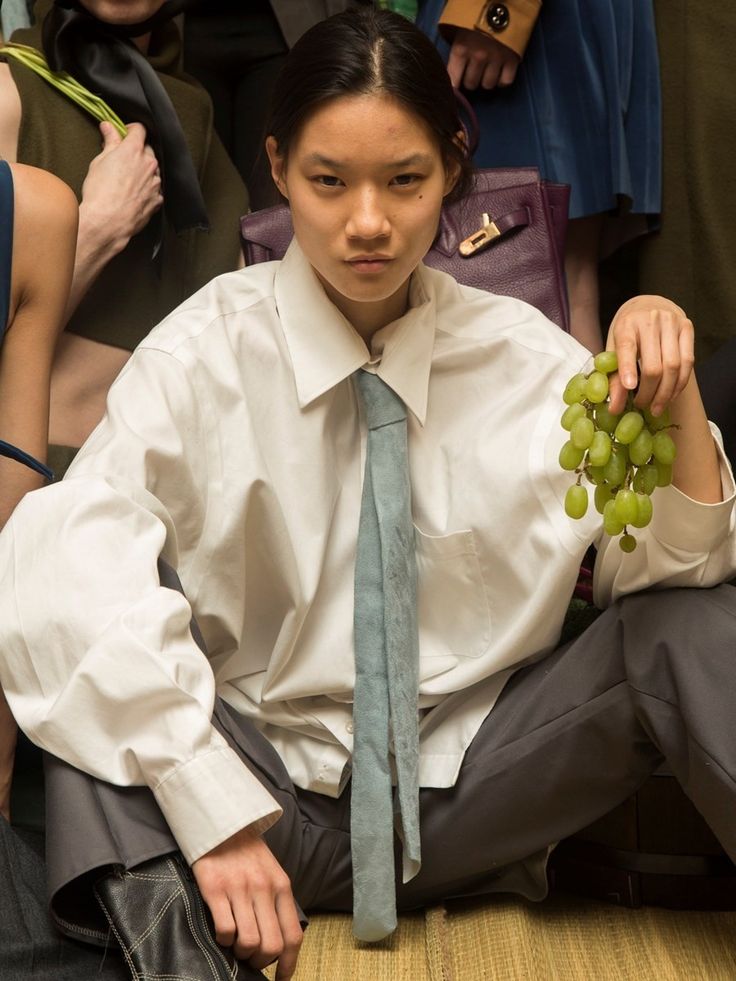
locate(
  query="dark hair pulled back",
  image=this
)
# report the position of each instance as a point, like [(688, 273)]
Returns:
[(367, 50)]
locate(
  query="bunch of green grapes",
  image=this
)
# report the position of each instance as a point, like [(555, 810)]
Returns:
[(625, 457)]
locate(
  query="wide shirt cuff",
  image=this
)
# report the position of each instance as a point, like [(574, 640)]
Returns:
[(210, 798), (680, 522)]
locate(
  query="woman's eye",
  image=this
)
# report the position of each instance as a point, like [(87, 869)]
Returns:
[(405, 180), (327, 180)]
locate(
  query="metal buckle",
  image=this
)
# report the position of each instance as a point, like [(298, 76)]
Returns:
[(480, 239)]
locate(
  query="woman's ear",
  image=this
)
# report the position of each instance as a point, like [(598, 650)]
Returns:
[(452, 167), (278, 165)]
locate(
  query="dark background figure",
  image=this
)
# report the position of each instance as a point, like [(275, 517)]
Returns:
[(236, 51), (691, 258)]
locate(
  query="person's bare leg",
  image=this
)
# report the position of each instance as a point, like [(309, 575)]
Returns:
[(8, 737), (581, 269)]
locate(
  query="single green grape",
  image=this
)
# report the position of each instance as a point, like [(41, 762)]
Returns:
[(570, 456), (596, 387), (571, 414), (655, 423), (640, 448), (575, 389), (629, 426), (595, 474), (627, 543), (576, 501), (606, 361), (664, 473), (626, 507), (615, 469), (611, 524), (644, 511), (601, 497), (599, 451), (663, 448), (604, 418), (645, 479), (582, 433)]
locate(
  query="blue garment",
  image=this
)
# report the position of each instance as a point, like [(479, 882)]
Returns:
[(7, 210), (584, 107)]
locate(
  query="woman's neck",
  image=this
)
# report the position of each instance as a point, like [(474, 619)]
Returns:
[(369, 317)]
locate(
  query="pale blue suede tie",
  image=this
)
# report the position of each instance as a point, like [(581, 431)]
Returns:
[(386, 668)]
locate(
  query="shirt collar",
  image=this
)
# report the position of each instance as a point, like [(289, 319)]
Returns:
[(325, 349)]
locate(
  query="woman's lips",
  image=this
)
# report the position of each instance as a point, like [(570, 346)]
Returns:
[(369, 263)]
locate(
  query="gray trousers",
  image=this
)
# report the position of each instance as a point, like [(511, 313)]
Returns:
[(571, 736)]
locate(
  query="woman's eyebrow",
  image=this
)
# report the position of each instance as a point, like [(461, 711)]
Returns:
[(415, 160)]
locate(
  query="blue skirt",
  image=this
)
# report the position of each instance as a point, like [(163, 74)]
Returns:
[(584, 107)]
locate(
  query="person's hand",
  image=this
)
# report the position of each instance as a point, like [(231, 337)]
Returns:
[(476, 59), (250, 899), (654, 341), (122, 189)]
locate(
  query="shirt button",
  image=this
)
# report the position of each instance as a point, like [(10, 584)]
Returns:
[(349, 727), (497, 17)]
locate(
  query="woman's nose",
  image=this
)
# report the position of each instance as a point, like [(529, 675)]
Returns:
[(368, 218)]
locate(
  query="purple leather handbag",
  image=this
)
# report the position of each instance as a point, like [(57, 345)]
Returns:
[(507, 236)]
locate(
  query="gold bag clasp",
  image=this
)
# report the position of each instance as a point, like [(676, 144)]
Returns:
[(480, 239)]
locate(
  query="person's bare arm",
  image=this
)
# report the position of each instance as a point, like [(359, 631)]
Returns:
[(44, 238), (252, 906), (10, 112), (121, 191), (120, 194)]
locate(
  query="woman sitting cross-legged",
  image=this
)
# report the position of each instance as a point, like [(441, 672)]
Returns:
[(344, 467)]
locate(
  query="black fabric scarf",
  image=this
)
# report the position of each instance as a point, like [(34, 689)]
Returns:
[(102, 57)]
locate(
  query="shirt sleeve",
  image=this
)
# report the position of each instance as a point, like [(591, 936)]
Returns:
[(687, 543), (510, 23), (99, 663)]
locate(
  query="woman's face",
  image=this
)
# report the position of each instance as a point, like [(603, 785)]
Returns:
[(122, 11), (365, 181)]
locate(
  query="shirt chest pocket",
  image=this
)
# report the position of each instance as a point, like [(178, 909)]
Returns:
[(453, 611)]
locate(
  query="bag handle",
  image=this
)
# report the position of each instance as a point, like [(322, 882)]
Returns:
[(491, 229)]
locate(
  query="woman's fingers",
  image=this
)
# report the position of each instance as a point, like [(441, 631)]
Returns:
[(250, 898), (654, 341), (292, 933), (223, 920)]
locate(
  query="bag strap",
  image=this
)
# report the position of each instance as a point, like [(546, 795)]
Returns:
[(491, 229), (20, 456)]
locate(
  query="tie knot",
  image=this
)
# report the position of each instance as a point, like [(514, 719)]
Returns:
[(381, 404)]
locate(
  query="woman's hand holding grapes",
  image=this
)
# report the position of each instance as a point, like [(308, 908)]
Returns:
[(654, 342), (636, 421)]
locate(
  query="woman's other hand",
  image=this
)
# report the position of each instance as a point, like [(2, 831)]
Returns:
[(476, 59), (122, 189), (654, 341)]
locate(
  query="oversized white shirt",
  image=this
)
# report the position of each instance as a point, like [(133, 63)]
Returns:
[(234, 447)]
